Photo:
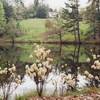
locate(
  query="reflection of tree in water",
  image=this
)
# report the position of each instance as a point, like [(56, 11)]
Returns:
[(74, 56), (72, 59), (92, 49), (63, 57), (11, 55), (75, 60)]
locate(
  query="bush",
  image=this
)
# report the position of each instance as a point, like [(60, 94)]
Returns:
[(49, 24), (12, 30), (42, 11)]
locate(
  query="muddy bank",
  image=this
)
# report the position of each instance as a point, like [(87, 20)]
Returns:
[(85, 97)]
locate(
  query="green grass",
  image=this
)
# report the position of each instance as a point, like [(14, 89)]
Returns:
[(33, 29)]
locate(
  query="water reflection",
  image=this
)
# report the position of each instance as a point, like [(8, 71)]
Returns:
[(67, 60)]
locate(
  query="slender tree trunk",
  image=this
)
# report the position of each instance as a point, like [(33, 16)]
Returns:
[(75, 34), (60, 37), (40, 88), (79, 40), (13, 40), (98, 5), (77, 21)]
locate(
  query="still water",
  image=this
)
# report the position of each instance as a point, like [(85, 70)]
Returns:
[(73, 55)]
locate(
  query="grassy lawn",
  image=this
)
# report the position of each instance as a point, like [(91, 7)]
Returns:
[(34, 30)]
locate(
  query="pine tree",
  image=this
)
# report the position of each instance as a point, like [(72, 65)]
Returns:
[(71, 18), (2, 19), (93, 16)]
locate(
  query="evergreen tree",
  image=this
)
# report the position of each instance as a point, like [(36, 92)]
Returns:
[(93, 17), (8, 9), (2, 19), (71, 18)]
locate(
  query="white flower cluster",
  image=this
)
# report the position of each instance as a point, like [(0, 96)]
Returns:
[(6, 70), (35, 71), (96, 65), (9, 75), (41, 53), (94, 57), (90, 76), (63, 66), (70, 81), (42, 66), (88, 60)]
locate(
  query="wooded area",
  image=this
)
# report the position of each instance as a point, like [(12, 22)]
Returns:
[(69, 20)]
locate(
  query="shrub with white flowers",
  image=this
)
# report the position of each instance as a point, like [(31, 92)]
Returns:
[(70, 81), (92, 76), (41, 68), (9, 78), (96, 65)]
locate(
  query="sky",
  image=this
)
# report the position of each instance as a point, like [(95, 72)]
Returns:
[(57, 4)]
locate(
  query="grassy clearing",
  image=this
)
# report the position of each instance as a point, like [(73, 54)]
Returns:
[(34, 30)]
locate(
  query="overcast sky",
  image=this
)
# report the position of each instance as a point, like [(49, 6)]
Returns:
[(56, 4)]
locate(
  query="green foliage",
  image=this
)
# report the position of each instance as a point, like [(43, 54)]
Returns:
[(8, 9), (11, 29), (36, 4), (34, 30), (2, 19), (93, 17), (29, 12), (42, 11), (36, 10), (50, 24), (70, 16)]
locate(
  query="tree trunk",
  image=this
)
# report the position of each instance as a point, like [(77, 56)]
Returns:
[(75, 34), (13, 40), (77, 21), (60, 37), (40, 88)]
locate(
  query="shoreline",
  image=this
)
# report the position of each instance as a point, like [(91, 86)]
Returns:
[(50, 42)]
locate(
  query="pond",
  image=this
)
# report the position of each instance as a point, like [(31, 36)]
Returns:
[(75, 57)]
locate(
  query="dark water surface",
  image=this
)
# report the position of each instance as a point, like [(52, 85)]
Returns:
[(73, 55)]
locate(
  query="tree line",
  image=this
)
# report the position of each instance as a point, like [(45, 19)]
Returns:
[(11, 12), (70, 17)]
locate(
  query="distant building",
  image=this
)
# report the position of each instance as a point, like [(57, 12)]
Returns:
[(52, 14)]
